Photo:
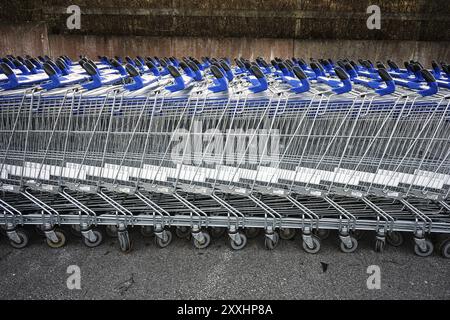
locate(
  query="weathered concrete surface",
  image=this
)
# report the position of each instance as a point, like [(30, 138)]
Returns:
[(182, 272), (426, 20)]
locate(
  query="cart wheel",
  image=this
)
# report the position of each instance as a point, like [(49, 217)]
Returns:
[(316, 245), (240, 246), (205, 243), (75, 230), (217, 232), (445, 249), (358, 234), (147, 231), (287, 233), (252, 233), (161, 243), (62, 239), (125, 242), (379, 245), (182, 232), (428, 251), (394, 238), (111, 231), (24, 239), (271, 244), (99, 235), (353, 247), (322, 234)]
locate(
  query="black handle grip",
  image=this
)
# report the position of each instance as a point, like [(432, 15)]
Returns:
[(61, 65), (366, 64), (115, 63), (174, 71), (341, 73), (314, 65), (17, 63), (6, 69), (183, 65), (257, 72), (240, 64), (392, 64), (416, 67), (348, 67), (216, 72), (384, 75), (49, 70), (427, 75), (434, 64), (380, 65), (224, 66), (299, 73), (132, 71), (150, 64), (192, 65), (90, 69)]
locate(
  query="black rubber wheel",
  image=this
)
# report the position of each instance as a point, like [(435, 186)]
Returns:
[(271, 244), (62, 239), (445, 249), (24, 239), (358, 234), (379, 245), (351, 249), (427, 252), (205, 243), (111, 231), (161, 243), (182, 232), (75, 230), (99, 235), (217, 232), (147, 231), (395, 238), (252, 233), (316, 245), (322, 234), (287, 233), (240, 246), (125, 242)]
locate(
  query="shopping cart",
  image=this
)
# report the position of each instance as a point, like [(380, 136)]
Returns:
[(207, 148)]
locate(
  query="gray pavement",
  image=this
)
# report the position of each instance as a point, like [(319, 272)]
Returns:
[(182, 272)]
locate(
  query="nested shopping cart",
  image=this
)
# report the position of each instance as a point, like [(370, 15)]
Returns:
[(207, 148)]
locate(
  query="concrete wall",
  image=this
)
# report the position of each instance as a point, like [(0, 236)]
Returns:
[(411, 29), (33, 39)]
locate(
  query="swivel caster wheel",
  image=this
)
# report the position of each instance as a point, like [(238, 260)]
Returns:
[(445, 249), (125, 242), (204, 243), (75, 230), (358, 234), (217, 232), (287, 233), (182, 232), (98, 236), (316, 245), (271, 243), (162, 243), (147, 231), (380, 245), (24, 238), (239, 246), (424, 252), (111, 231), (62, 239), (252, 233), (322, 234), (349, 248), (395, 238)]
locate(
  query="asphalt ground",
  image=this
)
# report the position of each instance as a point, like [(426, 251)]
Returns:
[(182, 272)]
